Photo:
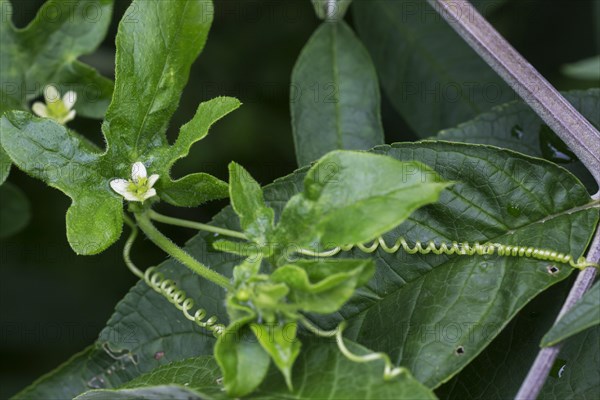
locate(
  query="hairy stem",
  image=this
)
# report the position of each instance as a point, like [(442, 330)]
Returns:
[(581, 137), (178, 253), (194, 225)]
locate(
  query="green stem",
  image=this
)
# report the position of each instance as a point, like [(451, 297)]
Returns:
[(194, 225), (128, 245), (178, 253)]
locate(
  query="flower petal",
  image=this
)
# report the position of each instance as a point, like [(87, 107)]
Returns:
[(129, 196), (40, 109), (51, 94), (69, 99), (148, 194), (138, 170), (69, 117), (152, 180), (120, 186)]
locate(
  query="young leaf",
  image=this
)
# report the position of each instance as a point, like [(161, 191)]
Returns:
[(335, 101), (584, 314), (323, 286), (134, 128), (282, 345), (431, 76), (352, 197), (256, 219), (242, 359)]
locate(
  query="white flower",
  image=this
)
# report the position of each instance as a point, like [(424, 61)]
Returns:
[(60, 110), (139, 187)]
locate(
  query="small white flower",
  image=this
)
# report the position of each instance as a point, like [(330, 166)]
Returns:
[(139, 187), (56, 108)]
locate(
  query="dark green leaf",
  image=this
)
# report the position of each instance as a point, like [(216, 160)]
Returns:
[(281, 343), (498, 372), (242, 359), (515, 126), (14, 210), (502, 197), (431, 76), (256, 219), (335, 101), (320, 372), (584, 314), (323, 286), (352, 197)]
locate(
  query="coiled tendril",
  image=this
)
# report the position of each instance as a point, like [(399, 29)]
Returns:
[(168, 288), (463, 249)]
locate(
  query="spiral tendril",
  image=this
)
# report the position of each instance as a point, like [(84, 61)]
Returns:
[(168, 288), (463, 249), (389, 372), (178, 297)]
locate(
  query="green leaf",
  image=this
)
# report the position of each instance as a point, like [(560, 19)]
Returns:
[(498, 372), (501, 196), (46, 52), (48, 151), (431, 76), (352, 197), (66, 161), (4, 165), (242, 359), (516, 126), (256, 219), (333, 10), (153, 61), (323, 286), (195, 378), (335, 101), (281, 343), (587, 69), (584, 314)]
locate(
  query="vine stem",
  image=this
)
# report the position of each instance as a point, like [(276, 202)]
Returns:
[(581, 137), (194, 225), (145, 224)]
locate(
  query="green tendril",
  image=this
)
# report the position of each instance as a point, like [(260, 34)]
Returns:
[(463, 249), (390, 371)]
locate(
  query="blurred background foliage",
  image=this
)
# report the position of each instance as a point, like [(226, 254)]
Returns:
[(54, 303)]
